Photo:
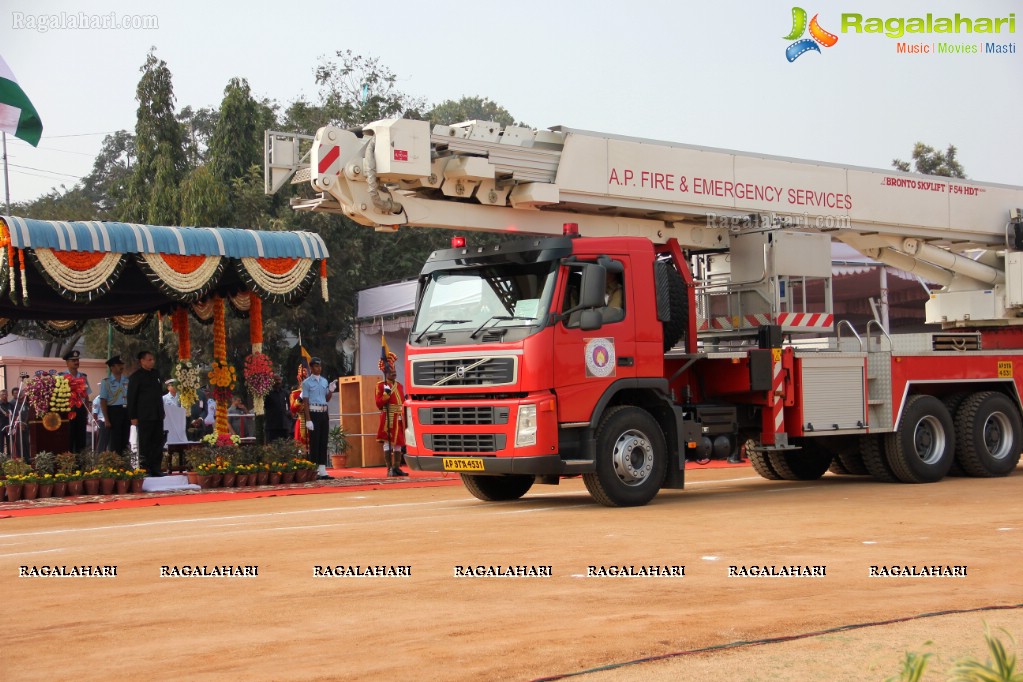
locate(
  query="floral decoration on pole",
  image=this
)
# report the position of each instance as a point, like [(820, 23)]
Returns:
[(259, 378), (185, 372), (222, 375)]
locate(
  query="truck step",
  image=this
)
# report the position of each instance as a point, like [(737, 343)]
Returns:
[(578, 466)]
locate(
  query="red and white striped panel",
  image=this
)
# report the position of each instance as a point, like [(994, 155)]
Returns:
[(328, 159), (729, 323), (806, 320), (778, 396)]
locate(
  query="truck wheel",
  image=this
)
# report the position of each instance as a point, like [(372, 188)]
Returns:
[(672, 289), (952, 404), (988, 435), (837, 467), (874, 460), (923, 446), (631, 460), (497, 488), (808, 464), (847, 454), (762, 465)]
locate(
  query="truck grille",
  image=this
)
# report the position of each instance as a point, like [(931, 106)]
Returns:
[(458, 416), (479, 371), (464, 442)]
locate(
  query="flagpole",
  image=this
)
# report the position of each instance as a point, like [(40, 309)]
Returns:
[(7, 181)]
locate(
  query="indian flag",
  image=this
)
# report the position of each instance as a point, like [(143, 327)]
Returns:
[(17, 115)]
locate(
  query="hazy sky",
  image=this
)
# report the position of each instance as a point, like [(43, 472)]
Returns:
[(707, 73)]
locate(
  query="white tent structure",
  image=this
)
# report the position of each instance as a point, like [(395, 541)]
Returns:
[(390, 307)]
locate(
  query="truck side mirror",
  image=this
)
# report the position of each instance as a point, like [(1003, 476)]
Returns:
[(590, 319), (591, 294)]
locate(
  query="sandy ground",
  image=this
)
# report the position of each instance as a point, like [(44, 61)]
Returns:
[(284, 623)]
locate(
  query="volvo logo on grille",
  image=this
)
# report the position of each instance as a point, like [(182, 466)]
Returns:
[(460, 371)]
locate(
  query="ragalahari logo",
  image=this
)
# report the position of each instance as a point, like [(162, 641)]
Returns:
[(818, 36)]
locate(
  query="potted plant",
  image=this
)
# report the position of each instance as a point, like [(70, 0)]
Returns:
[(337, 441), (276, 471), (138, 477), (13, 487), (59, 485), (17, 472), (46, 484), (90, 481), (30, 486)]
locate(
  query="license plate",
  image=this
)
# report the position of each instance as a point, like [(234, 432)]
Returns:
[(462, 464)]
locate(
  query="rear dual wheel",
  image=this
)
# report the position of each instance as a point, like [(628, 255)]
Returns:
[(922, 448), (988, 434)]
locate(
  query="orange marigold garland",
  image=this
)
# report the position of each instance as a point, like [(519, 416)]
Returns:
[(323, 280), (222, 375), (179, 323), (255, 322), (24, 281), (12, 266)]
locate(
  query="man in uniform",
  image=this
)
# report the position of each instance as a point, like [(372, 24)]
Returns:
[(79, 415), (316, 393), (145, 410), (390, 399), (113, 399)]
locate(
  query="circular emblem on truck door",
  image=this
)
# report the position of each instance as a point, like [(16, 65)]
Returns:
[(600, 357)]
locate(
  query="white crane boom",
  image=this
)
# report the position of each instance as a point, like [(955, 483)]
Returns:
[(480, 176)]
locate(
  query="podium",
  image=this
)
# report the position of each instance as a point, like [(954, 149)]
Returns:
[(360, 419), (42, 440)]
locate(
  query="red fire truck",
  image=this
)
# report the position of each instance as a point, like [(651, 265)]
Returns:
[(694, 317)]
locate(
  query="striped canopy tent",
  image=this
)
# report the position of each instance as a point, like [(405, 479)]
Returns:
[(63, 273)]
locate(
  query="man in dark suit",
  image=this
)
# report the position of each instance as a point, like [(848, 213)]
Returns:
[(145, 410)]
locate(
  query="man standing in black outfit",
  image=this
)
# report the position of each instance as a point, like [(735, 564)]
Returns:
[(78, 425), (145, 410), (278, 416)]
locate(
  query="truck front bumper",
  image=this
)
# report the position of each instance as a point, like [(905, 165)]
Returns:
[(532, 466)]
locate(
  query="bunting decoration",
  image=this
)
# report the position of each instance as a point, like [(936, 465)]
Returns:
[(131, 324), (111, 269), (61, 329), (79, 275), (182, 278), (278, 279), (240, 303), (202, 311)]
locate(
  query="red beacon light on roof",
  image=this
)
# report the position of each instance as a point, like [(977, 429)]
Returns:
[(570, 229), (458, 242)]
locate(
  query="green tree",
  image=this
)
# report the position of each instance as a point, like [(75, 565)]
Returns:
[(930, 161), (357, 90), (197, 128), (107, 183), (469, 109), (237, 140), (204, 200), (152, 188)]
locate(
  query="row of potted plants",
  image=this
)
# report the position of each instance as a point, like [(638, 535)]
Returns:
[(96, 482), (68, 474), (281, 462)]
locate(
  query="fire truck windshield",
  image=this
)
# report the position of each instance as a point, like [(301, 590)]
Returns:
[(496, 297)]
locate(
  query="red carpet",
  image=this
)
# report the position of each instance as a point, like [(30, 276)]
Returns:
[(345, 480)]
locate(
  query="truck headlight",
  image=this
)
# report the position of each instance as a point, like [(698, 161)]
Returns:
[(525, 429), (410, 430)]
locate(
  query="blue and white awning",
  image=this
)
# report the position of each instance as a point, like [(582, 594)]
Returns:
[(65, 271), (94, 236)]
